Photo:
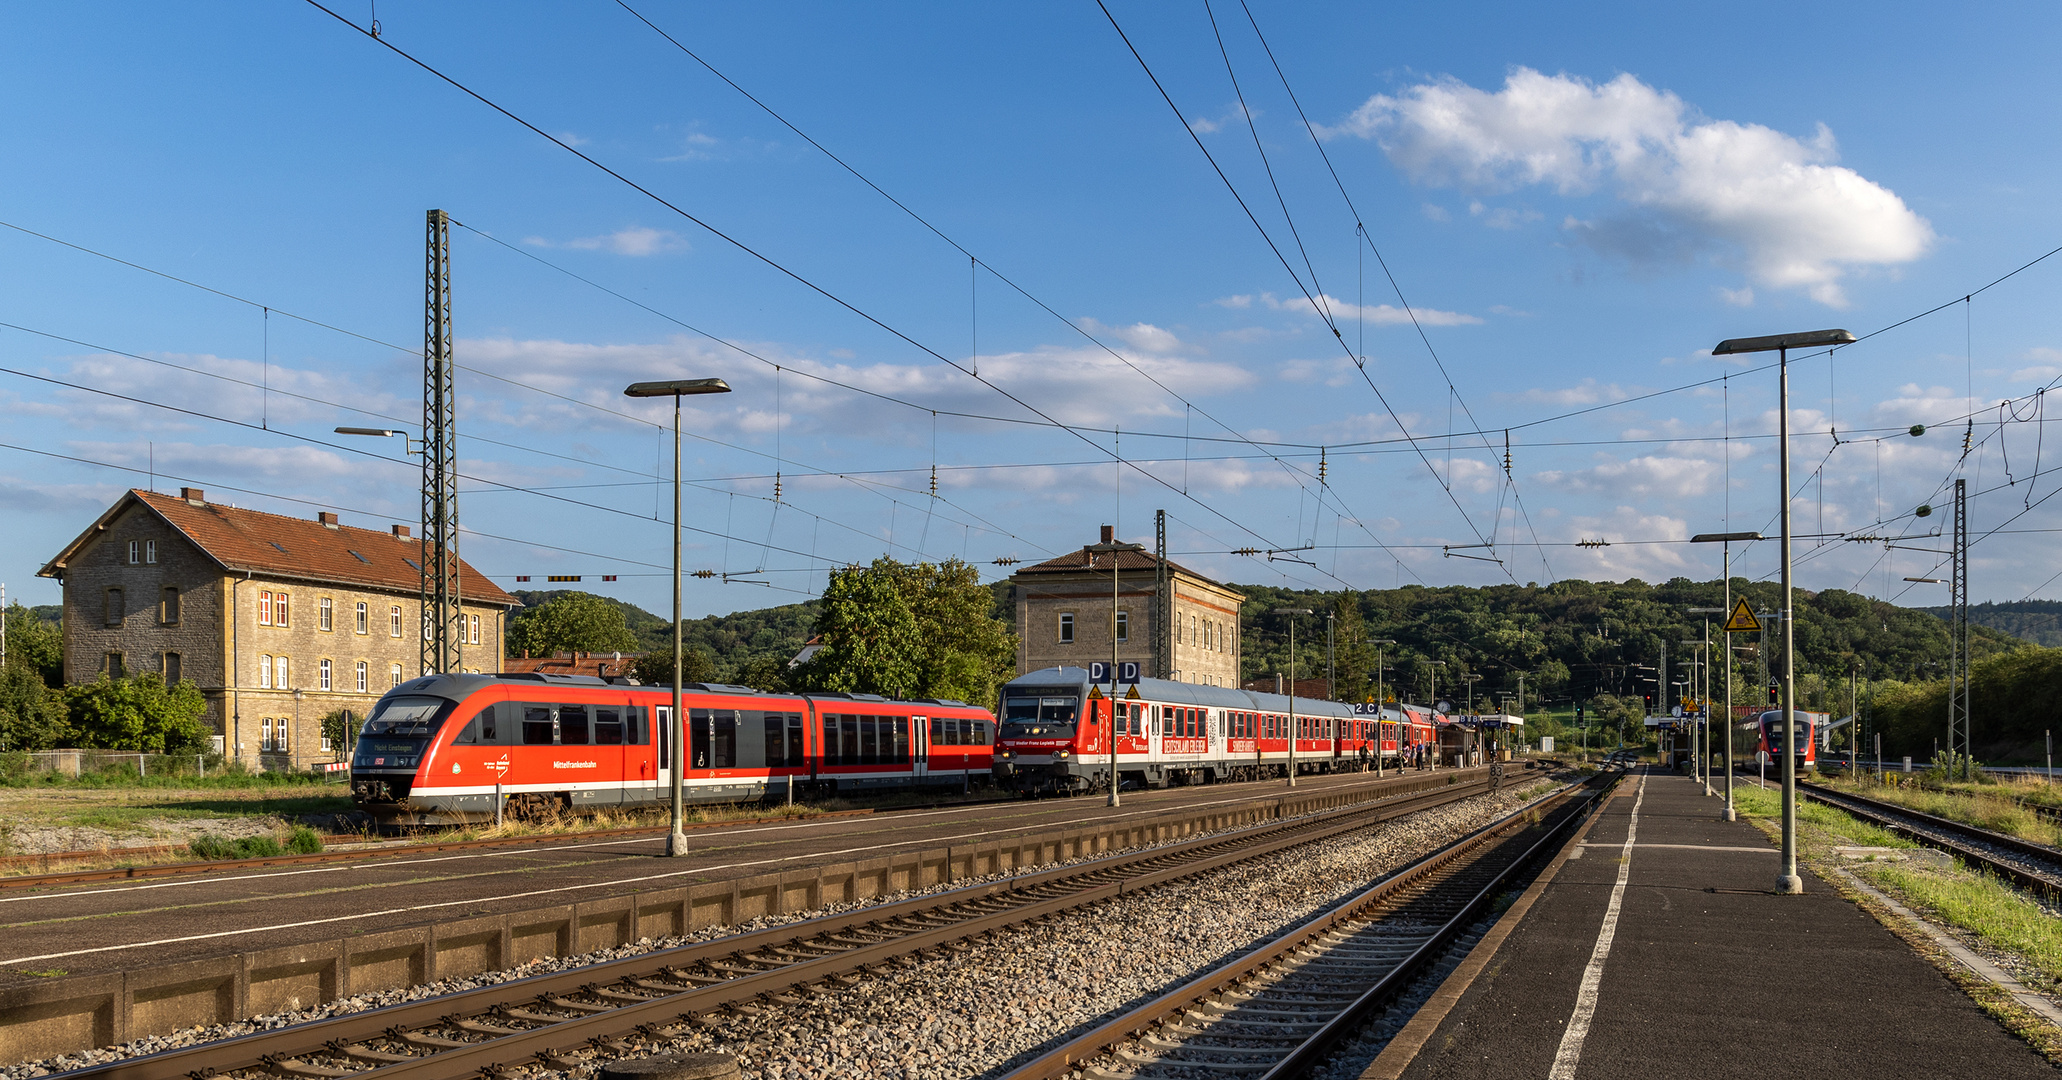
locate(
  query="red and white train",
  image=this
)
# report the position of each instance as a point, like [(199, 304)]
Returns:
[(1054, 737), (1806, 746), (440, 749)]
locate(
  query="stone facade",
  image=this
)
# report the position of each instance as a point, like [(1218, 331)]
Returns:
[(1064, 617), (272, 649)]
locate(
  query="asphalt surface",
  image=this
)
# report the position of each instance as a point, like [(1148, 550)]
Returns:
[(112, 926), (1709, 972)]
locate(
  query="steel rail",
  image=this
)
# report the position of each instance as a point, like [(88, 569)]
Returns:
[(1074, 1057), (546, 1017), (1928, 828)]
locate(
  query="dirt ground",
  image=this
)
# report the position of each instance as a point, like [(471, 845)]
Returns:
[(41, 820)]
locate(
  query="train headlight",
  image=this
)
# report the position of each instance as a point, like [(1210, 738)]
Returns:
[(1061, 755)]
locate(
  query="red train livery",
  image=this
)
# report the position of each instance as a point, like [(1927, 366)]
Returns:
[(1055, 735), (440, 749)]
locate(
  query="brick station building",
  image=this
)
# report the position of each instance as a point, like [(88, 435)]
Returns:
[(277, 620), (1063, 616)]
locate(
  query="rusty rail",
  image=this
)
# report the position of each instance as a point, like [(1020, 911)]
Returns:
[(580, 1011)]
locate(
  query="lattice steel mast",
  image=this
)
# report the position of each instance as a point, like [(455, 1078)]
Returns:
[(442, 626), (1163, 601), (1958, 740)]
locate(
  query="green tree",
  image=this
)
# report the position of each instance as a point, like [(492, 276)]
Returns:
[(910, 631), (340, 727), (571, 622), (762, 672), (1354, 656), (655, 668), (32, 716), (36, 643), (139, 713)]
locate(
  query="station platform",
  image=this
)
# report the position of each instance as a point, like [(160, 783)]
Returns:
[(1704, 970)]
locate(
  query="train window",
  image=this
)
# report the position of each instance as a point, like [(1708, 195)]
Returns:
[(795, 754), (699, 729), (635, 729), (773, 730), (830, 740), (869, 740), (572, 725), (724, 744), (938, 731), (848, 748), (900, 726), (537, 725), (608, 727), (486, 722)]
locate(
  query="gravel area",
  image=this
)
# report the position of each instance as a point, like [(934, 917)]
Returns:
[(29, 839), (980, 1012), (970, 1014)]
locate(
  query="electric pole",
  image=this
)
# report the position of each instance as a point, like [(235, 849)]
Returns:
[(441, 618)]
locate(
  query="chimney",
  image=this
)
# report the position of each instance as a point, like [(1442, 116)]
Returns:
[(400, 532), (194, 495), (327, 519), (1109, 534)]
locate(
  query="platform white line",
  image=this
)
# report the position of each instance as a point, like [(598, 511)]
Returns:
[(1572, 1039)]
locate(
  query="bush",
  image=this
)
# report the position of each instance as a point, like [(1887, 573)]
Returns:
[(304, 841), (139, 713)]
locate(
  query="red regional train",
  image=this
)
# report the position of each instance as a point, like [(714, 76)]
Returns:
[(1806, 747), (440, 749), (1054, 736)]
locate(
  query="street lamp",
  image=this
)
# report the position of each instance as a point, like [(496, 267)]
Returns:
[(1378, 706), (1781, 344), (676, 842), (1292, 612), (1433, 754), (1726, 571), (409, 443), (1114, 547)]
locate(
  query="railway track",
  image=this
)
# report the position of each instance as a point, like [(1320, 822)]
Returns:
[(603, 1011), (1280, 1010), (2031, 866)]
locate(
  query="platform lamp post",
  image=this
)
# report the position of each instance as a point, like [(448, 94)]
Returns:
[(1378, 643), (1292, 612), (1789, 882), (1726, 632), (676, 840), (1114, 548)]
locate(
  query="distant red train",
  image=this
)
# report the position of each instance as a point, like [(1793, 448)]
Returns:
[(438, 750), (1806, 746), (1054, 737)]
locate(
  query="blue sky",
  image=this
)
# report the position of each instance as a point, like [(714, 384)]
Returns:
[(1576, 209)]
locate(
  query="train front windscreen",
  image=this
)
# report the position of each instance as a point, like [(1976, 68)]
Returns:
[(391, 744), (1034, 713)]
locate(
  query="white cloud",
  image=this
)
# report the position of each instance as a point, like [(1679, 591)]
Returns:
[(1645, 476), (1202, 125), (2047, 365), (1145, 337), (1688, 183), (1588, 392), (1503, 217), (1237, 303), (1434, 212), (633, 240), (1379, 314), (1741, 297)]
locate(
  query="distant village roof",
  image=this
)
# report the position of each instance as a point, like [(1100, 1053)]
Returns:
[(599, 665), (317, 549)]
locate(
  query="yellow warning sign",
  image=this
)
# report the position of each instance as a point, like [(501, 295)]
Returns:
[(1742, 620), (1095, 693), (1131, 694)]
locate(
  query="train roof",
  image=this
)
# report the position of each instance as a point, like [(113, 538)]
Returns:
[(1222, 697), (458, 686)]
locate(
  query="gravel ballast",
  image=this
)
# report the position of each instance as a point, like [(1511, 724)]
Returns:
[(974, 1012)]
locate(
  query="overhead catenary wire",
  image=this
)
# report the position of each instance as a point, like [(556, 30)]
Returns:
[(750, 251)]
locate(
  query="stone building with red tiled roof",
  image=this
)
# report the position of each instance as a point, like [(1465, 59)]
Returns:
[(1064, 617), (277, 620)]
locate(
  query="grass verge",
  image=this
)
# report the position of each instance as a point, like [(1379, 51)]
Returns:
[(1997, 807)]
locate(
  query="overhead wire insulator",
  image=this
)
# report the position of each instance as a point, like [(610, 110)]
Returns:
[(704, 573), (934, 481), (1322, 465), (1507, 453), (1246, 551), (1008, 560), (776, 487)]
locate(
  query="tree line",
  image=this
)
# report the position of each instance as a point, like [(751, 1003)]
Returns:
[(39, 712)]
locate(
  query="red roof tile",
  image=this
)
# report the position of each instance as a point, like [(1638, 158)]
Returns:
[(258, 542)]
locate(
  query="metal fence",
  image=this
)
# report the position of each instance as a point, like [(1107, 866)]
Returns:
[(85, 762)]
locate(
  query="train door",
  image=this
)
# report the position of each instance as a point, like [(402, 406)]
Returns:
[(920, 750), (664, 734)]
